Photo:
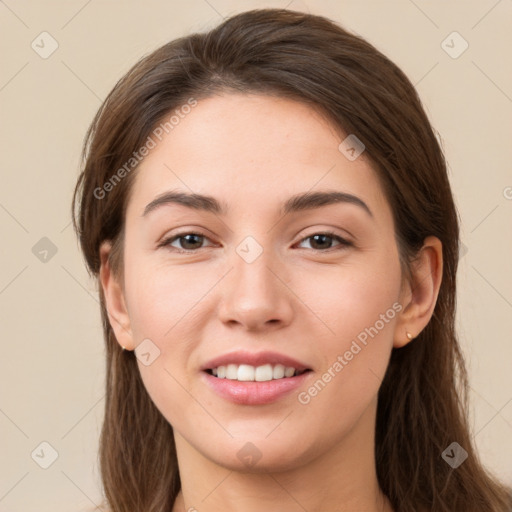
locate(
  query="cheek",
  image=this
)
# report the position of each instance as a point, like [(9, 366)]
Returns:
[(360, 310), (350, 299), (160, 303), (161, 298)]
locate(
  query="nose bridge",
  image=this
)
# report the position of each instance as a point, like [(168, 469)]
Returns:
[(252, 262), (256, 294), (252, 266)]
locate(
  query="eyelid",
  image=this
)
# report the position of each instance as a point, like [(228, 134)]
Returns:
[(331, 232), (166, 241), (343, 242)]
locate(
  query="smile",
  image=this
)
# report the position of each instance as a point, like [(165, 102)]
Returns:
[(248, 373)]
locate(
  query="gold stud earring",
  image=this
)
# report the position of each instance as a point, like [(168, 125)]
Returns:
[(409, 335)]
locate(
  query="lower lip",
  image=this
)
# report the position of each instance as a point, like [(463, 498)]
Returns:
[(254, 393)]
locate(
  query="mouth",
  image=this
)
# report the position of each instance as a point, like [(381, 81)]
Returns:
[(246, 378), (249, 373)]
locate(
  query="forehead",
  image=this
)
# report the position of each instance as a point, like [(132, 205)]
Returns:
[(252, 152)]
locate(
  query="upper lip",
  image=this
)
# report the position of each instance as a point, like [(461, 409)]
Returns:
[(254, 359)]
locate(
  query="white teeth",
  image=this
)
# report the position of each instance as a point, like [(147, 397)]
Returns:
[(278, 372), (248, 373), (288, 372), (232, 371), (263, 373), (245, 372)]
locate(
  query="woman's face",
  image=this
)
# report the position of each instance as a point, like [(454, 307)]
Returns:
[(259, 289)]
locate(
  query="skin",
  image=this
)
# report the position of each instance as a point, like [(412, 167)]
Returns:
[(305, 300)]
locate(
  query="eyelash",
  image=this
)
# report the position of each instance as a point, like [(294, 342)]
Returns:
[(167, 242)]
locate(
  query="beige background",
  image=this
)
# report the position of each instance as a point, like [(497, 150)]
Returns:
[(52, 347)]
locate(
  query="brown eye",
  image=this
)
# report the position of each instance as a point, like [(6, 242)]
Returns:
[(188, 242), (323, 241)]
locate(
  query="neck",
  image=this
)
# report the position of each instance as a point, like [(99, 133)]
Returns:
[(342, 478)]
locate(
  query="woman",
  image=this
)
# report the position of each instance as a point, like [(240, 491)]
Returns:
[(259, 369)]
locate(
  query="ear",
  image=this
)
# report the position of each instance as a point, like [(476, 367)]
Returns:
[(114, 300), (419, 297)]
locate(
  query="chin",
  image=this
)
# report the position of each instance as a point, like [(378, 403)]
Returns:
[(260, 455)]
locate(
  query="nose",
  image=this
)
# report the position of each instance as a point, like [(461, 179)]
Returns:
[(255, 295)]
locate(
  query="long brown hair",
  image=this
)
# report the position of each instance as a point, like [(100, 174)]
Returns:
[(423, 399)]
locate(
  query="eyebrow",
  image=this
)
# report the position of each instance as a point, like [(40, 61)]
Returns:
[(299, 202)]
